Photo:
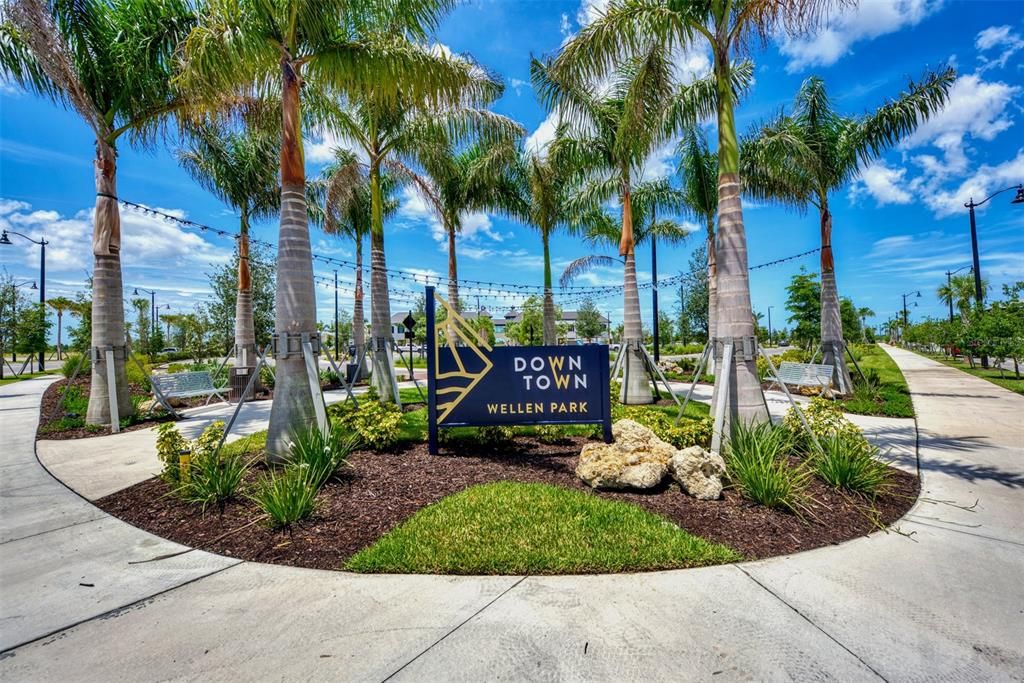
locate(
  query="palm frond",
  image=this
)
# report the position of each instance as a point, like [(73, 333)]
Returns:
[(585, 264)]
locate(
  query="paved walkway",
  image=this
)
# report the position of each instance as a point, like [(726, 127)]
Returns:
[(943, 599)]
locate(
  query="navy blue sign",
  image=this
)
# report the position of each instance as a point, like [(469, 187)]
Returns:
[(472, 384)]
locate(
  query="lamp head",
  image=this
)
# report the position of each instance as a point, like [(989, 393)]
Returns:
[(4, 239), (1018, 198), (135, 292), (33, 286)]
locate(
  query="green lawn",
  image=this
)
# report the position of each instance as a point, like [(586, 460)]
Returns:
[(515, 528), (890, 398), (1006, 381), (9, 379)]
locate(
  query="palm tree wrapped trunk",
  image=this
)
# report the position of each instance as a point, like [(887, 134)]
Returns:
[(295, 301), (245, 328), (380, 320), (550, 331), (637, 390), (734, 322), (358, 316), (107, 294), (712, 292), (832, 343), (453, 269)]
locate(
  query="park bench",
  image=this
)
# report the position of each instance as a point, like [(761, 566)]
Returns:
[(805, 375), (186, 385)]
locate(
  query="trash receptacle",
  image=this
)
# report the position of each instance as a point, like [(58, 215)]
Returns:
[(239, 379)]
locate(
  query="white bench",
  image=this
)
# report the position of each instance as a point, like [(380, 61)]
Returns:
[(187, 385), (805, 374)]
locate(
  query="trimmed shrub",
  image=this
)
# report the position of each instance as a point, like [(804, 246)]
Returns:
[(267, 377), (826, 419), (851, 464), (689, 432), (170, 446), (494, 436), (757, 464), (376, 424)]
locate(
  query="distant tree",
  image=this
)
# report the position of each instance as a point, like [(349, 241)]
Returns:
[(589, 324), (848, 313), (666, 328), (80, 336), (804, 306), (142, 322), (32, 328), (529, 329), (262, 288), (60, 305), (960, 290)]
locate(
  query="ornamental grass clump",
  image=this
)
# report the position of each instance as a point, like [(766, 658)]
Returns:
[(758, 467), (851, 464), (287, 496), (199, 473), (321, 452)]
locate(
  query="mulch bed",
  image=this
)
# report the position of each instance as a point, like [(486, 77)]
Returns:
[(378, 491), (51, 413)]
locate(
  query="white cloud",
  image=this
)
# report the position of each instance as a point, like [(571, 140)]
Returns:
[(984, 181), (997, 37), (146, 241), (590, 10), (977, 109), (518, 85), (538, 140), (864, 21), (565, 27), (884, 184)]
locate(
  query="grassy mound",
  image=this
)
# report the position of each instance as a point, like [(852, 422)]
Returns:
[(515, 528)]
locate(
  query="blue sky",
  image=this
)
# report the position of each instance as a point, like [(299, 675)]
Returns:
[(897, 228)]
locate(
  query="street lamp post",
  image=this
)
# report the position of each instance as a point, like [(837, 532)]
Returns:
[(906, 317), (949, 287), (4, 239), (152, 309), (770, 325), (654, 296), (1018, 199)]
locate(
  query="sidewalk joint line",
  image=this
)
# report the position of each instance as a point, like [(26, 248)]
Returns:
[(115, 610), (60, 528), (812, 623), (457, 627), (911, 520)]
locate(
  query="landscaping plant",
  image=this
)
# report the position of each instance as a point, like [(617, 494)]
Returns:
[(286, 496), (825, 418), (375, 423), (321, 452), (758, 466), (851, 464)]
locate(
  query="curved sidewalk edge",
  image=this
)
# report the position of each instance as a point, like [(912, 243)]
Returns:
[(944, 602)]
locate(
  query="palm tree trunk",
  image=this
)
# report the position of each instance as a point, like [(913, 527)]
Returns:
[(358, 316), (550, 331), (60, 347), (107, 294), (295, 302), (380, 303), (453, 270), (735, 319), (831, 321), (712, 291), (245, 328), (637, 390)]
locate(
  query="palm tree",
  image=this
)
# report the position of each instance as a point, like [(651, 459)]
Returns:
[(538, 188), (648, 199), (60, 304), (460, 181), (342, 197), (960, 290), (628, 28), (111, 61), (614, 132), (864, 313), (815, 151), (698, 168), (314, 52), (240, 168), (397, 135)]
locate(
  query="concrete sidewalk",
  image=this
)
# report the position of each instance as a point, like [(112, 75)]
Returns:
[(943, 599)]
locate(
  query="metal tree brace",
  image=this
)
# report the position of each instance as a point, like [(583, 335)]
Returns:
[(751, 349), (846, 349), (654, 373)]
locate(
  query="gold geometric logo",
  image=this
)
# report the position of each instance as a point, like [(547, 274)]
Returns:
[(449, 331)]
